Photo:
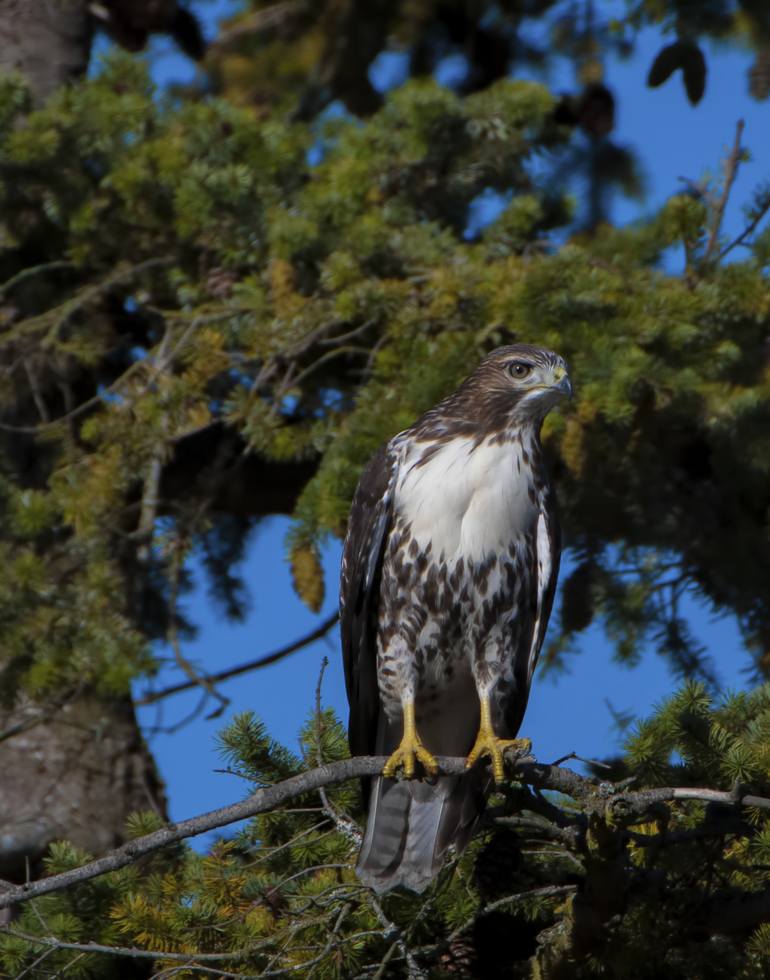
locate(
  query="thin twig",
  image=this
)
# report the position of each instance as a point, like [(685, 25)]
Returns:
[(97, 399), (151, 491), (172, 637), (580, 758), (224, 675), (348, 335), (342, 822), (328, 356), (547, 891), (183, 722), (731, 171), (37, 395), (33, 270), (330, 942), (748, 230), (390, 929), (30, 970)]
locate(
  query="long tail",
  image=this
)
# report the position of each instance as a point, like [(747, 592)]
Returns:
[(412, 826)]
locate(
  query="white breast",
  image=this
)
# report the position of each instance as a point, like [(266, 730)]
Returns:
[(466, 501)]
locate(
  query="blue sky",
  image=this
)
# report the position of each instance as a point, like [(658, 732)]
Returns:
[(569, 712)]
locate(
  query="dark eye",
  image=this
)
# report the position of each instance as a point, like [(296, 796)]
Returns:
[(519, 369)]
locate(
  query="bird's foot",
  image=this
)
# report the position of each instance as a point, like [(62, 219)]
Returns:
[(488, 744), (410, 750)]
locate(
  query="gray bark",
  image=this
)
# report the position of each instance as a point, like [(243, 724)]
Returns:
[(76, 770), (75, 776), (46, 41)]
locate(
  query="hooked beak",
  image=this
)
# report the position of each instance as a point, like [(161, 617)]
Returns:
[(561, 382)]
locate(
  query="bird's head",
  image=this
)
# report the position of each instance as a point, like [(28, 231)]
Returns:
[(513, 387), (524, 381)]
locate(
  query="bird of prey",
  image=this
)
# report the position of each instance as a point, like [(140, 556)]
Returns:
[(448, 575)]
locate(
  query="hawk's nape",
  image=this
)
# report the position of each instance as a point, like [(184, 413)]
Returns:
[(448, 575)]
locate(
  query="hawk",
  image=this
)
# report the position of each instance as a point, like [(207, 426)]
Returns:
[(448, 575)]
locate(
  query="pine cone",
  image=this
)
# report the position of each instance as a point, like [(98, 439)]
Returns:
[(220, 282), (459, 960)]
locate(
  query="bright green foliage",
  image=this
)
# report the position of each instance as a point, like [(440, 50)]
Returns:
[(83, 915), (725, 743), (194, 270)]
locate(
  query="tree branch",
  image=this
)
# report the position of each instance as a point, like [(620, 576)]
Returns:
[(592, 794), (739, 239), (224, 675), (172, 637), (33, 270), (258, 24), (731, 171), (130, 951)]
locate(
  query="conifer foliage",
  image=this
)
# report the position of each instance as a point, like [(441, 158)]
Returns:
[(214, 307)]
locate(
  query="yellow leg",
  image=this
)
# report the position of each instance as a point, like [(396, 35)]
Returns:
[(487, 743), (411, 748)]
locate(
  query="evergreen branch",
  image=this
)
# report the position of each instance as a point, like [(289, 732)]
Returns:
[(264, 661), (328, 946), (669, 838), (348, 335), (30, 970), (267, 856), (547, 891), (390, 929), (132, 952), (623, 806), (97, 399), (323, 359), (45, 326), (151, 490), (738, 913), (33, 270), (538, 828)]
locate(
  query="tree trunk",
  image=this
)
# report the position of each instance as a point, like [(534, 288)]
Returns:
[(77, 773), (75, 776), (46, 41)]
